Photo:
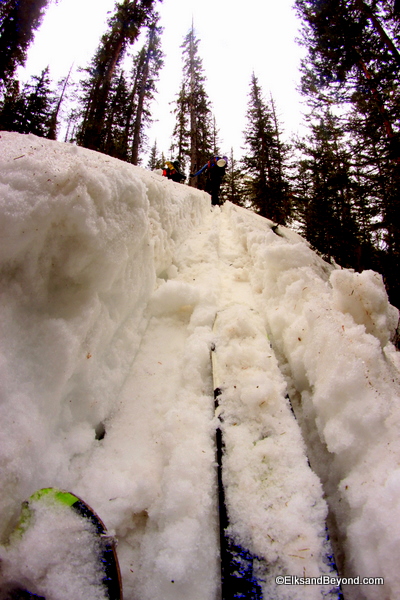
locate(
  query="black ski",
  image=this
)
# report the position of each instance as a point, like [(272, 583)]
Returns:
[(237, 576)]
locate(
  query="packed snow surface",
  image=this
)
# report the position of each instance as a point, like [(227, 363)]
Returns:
[(115, 286)]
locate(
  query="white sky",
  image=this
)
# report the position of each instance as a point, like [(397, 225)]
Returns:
[(235, 39)]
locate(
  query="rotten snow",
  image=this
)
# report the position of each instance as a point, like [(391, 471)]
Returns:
[(111, 281)]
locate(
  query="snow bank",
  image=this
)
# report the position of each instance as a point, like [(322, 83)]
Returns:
[(331, 330), (84, 238), (111, 277)]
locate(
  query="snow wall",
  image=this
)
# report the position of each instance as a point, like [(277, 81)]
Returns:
[(86, 240)]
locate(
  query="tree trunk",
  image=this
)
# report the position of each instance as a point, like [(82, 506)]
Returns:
[(140, 103), (52, 135)]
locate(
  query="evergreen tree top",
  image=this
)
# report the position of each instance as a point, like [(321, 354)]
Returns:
[(18, 22), (193, 64)]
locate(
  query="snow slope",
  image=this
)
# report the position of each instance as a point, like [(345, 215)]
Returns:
[(111, 279)]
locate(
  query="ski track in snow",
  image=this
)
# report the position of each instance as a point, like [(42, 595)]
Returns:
[(163, 410), (114, 265)]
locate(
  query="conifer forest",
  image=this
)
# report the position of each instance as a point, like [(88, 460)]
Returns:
[(338, 185)]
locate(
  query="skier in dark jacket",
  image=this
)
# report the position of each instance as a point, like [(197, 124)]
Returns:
[(172, 170), (215, 171)]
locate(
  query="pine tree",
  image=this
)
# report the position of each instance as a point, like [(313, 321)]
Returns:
[(113, 140), (351, 58), (264, 159), (233, 185), (12, 108), (145, 87), (353, 63), (193, 133), (18, 21), (156, 160), (124, 26), (215, 138), (153, 157), (40, 102), (128, 106), (280, 153), (326, 192), (180, 146), (31, 110)]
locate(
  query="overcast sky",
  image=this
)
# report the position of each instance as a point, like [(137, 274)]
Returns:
[(235, 40)]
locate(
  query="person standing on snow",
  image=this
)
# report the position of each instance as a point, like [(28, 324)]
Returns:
[(172, 170), (215, 169)]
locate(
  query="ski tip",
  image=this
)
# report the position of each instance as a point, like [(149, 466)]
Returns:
[(107, 559)]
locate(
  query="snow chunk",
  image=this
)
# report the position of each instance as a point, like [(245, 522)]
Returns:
[(363, 296), (174, 296)]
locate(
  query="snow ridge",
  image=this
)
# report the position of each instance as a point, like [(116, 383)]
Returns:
[(328, 327)]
